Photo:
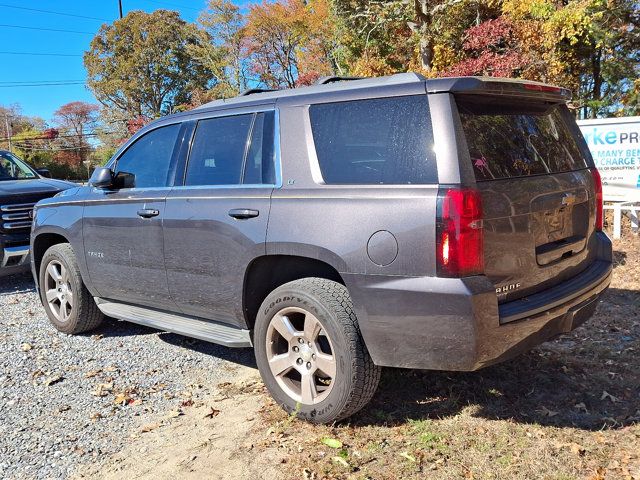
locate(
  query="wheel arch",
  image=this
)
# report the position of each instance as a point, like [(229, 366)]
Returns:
[(266, 273), (41, 243)]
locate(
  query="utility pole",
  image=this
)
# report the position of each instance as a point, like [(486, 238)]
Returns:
[(120, 5), (9, 133)]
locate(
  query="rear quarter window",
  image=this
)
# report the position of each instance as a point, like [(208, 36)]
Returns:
[(508, 140), (374, 141)]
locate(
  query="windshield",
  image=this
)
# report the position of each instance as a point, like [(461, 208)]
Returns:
[(12, 168)]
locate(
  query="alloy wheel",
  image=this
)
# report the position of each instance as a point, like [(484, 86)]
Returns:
[(301, 355), (58, 290)]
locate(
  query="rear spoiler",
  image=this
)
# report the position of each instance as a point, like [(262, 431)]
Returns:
[(498, 86)]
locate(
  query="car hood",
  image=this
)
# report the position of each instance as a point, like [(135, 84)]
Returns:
[(37, 185)]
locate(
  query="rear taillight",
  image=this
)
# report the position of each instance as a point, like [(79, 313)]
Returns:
[(459, 233), (597, 185)]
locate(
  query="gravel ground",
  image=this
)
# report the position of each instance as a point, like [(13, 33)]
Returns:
[(67, 401)]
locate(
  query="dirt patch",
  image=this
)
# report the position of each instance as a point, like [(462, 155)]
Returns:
[(212, 438)]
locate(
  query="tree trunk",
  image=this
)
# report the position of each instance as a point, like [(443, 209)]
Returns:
[(596, 69), (421, 26)]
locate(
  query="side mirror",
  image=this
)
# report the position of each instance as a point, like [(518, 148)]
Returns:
[(43, 172), (102, 177)]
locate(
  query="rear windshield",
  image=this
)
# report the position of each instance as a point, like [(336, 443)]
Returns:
[(519, 140), (374, 141)]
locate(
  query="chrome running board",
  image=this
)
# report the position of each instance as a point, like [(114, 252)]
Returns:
[(170, 322)]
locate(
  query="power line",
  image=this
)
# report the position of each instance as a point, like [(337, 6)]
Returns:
[(169, 4), (72, 135), (52, 12), (40, 81), (45, 29), (42, 54), (42, 84)]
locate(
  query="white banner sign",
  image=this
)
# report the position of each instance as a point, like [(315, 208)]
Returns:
[(615, 147)]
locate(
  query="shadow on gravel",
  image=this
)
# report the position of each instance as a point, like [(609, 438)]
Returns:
[(589, 379), (20, 283), (115, 328), (242, 356)]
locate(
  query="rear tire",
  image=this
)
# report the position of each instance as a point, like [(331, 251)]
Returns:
[(69, 305), (310, 352)]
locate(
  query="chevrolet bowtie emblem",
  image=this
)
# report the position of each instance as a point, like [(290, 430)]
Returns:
[(568, 199)]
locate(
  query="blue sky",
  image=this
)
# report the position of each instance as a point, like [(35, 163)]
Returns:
[(18, 68)]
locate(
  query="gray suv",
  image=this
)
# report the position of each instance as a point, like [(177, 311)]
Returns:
[(443, 224)]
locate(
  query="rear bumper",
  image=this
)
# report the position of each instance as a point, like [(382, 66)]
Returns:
[(456, 324)]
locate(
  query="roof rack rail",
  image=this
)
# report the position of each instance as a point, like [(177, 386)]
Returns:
[(251, 91), (333, 79)]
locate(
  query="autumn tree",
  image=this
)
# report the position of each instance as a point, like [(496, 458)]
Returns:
[(143, 65), (289, 40), (75, 121), (224, 54), (400, 35)]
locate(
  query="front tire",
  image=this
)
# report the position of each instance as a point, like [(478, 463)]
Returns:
[(310, 352), (69, 305)]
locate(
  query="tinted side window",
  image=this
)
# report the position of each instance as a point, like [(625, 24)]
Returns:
[(260, 163), (149, 157), (218, 151), (377, 141)]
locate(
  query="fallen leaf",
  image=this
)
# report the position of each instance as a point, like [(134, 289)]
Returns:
[(581, 406), (546, 412), (25, 347), (332, 442), (121, 399), (95, 416), (411, 458), (92, 373), (149, 427), (212, 413), (175, 413), (103, 389), (606, 395), (577, 449), (341, 461), (598, 474)]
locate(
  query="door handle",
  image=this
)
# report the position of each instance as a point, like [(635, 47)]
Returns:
[(148, 212), (243, 213)]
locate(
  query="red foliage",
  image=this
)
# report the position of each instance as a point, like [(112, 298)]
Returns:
[(66, 157), (50, 133), (137, 123), (491, 49), (489, 64), (307, 78), (490, 34)]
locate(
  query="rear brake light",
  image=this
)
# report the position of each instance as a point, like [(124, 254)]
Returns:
[(597, 185), (547, 88), (542, 88), (460, 249)]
